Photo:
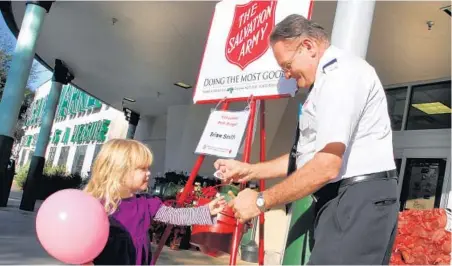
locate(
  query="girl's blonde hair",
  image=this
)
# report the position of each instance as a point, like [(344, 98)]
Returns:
[(117, 159)]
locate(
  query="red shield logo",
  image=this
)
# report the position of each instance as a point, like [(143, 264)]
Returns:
[(248, 37)]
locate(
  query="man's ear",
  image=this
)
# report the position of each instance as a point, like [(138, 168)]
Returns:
[(307, 43)]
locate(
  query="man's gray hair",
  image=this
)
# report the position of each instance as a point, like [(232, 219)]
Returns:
[(295, 26)]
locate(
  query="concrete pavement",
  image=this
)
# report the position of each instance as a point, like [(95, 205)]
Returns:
[(19, 244), (18, 241)]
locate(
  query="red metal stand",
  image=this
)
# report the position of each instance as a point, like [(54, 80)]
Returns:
[(237, 235), (262, 182), (246, 158)]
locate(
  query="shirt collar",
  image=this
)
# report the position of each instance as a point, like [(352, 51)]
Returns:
[(328, 58)]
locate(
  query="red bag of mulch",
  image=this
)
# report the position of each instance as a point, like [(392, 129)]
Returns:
[(423, 238)]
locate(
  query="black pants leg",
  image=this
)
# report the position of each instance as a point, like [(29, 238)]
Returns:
[(358, 225)]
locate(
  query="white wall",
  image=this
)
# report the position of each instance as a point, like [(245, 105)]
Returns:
[(185, 125), (175, 125), (152, 132)]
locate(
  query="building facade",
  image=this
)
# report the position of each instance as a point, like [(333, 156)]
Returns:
[(82, 124), (409, 46)]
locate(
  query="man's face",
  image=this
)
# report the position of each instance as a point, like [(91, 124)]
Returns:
[(298, 59)]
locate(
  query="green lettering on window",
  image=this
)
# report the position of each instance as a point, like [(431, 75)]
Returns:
[(74, 135), (56, 136), (28, 141), (67, 133), (103, 131)]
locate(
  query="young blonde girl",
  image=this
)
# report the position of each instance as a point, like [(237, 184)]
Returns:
[(120, 171)]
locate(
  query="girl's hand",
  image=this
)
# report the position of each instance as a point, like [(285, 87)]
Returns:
[(217, 205)]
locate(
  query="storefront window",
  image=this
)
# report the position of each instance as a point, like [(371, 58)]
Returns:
[(96, 151), (22, 157), (51, 155), (396, 105), (79, 158), (30, 155), (62, 160), (430, 106)]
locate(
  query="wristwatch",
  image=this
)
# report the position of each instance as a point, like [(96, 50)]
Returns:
[(260, 202)]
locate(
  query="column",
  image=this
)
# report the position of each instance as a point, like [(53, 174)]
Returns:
[(352, 25), (61, 75), (13, 93), (133, 119)]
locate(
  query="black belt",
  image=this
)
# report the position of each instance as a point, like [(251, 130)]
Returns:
[(331, 190), (392, 174)]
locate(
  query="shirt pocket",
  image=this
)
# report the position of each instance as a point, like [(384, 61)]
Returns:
[(307, 122)]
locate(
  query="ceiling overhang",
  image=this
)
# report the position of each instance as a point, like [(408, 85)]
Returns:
[(140, 50)]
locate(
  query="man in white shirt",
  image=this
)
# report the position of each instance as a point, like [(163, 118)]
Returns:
[(342, 155)]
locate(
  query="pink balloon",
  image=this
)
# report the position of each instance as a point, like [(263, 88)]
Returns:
[(72, 226)]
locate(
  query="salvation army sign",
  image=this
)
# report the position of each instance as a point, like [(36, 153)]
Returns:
[(248, 37), (238, 61)]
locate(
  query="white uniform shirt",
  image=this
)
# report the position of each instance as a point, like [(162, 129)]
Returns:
[(347, 104)]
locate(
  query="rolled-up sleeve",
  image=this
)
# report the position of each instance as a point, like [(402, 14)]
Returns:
[(342, 99)]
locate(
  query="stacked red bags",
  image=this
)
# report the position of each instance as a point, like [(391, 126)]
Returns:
[(422, 238)]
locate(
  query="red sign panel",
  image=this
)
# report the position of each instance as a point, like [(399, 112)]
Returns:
[(249, 34)]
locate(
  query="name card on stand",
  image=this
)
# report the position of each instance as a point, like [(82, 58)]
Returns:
[(223, 133)]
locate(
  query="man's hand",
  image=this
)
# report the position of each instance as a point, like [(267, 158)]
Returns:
[(244, 205), (232, 170)]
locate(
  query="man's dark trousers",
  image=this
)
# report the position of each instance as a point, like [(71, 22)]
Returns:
[(356, 223)]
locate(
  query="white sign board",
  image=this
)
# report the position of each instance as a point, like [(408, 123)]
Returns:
[(238, 61), (223, 133)]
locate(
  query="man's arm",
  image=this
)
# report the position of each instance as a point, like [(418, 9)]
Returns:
[(244, 172), (271, 169), (324, 167)]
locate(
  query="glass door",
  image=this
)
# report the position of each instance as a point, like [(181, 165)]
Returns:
[(423, 182)]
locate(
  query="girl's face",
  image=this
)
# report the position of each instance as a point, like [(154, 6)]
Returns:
[(138, 180)]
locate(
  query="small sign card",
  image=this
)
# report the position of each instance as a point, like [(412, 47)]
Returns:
[(223, 133)]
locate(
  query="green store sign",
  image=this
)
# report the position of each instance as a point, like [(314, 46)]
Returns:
[(83, 134), (35, 112), (72, 102), (91, 132)]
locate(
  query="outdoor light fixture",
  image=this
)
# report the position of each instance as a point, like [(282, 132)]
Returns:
[(129, 99), (182, 85), (446, 9), (434, 108)]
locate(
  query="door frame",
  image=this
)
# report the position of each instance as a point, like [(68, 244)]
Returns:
[(432, 153)]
